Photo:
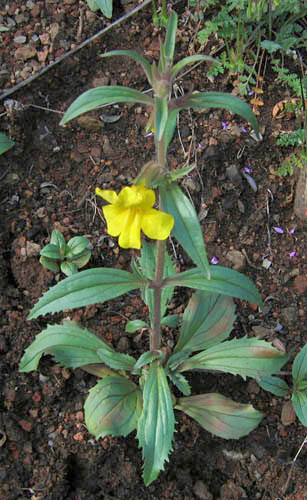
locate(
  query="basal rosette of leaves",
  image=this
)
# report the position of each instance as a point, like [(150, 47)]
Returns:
[(143, 394)]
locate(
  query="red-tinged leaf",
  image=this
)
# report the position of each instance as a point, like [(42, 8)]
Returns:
[(245, 357), (208, 319), (113, 407), (219, 415)]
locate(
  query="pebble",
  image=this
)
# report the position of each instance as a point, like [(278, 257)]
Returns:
[(201, 491), (237, 259), (20, 39), (24, 53)]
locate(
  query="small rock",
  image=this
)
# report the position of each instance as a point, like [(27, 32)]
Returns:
[(42, 54), (237, 259), (231, 491), (20, 39), (32, 249), (25, 425), (201, 491), (101, 82), (234, 175), (253, 387), (300, 283), (289, 314), (24, 53), (261, 331), (90, 123)]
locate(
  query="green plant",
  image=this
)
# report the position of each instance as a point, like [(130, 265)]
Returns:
[(142, 394), (106, 6), (247, 26), (279, 387), (5, 143), (66, 257)]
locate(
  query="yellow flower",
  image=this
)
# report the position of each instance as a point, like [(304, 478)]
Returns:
[(131, 211)]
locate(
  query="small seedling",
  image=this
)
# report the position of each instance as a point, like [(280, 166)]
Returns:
[(66, 257)]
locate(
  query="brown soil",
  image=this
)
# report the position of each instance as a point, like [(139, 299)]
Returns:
[(48, 181)]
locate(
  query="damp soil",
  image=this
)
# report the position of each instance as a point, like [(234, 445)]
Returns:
[(48, 181)]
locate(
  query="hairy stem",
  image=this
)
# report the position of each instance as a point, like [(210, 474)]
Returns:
[(155, 337)]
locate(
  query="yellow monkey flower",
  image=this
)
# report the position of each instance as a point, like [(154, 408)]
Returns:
[(131, 212)]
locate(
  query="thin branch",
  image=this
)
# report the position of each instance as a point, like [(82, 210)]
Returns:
[(73, 51)]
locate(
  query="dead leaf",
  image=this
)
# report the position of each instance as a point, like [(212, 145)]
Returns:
[(287, 414)]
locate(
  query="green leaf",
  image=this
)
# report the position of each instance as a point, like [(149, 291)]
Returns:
[(156, 424), (76, 246), (51, 252), (270, 46), (223, 280), (221, 416), (147, 263), (208, 319), (205, 100), (170, 127), (148, 357), (161, 114), (299, 402), (113, 407), (49, 264), (170, 39), (135, 325), (245, 357), (95, 98), (5, 143), (82, 260), (180, 382), (174, 175), (116, 360), (136, 57), (188, 60), (299, 367), (85, 288), (105, 6), (59, 241), (70, 345), (172, 320), (187, 230), (68, 268), (302, 385), (275, 385)]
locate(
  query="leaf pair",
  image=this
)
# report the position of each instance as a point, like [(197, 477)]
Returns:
[(299, 394)]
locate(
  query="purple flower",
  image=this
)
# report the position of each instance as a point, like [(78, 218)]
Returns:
[(148, 134), (201, 146), (224, 125), (251, 92), (278, 230), (292, 254), (243, 129), (292, 231), (247, 170), (214, 260)]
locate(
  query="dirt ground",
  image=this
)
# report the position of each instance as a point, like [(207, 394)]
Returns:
[(47, 181)]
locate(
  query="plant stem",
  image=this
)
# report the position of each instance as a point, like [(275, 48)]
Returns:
[(155, 337)]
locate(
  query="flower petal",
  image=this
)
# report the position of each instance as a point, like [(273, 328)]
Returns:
[(107, 195), (157, 225), (130, 236), (116, 219), (137, 196)]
